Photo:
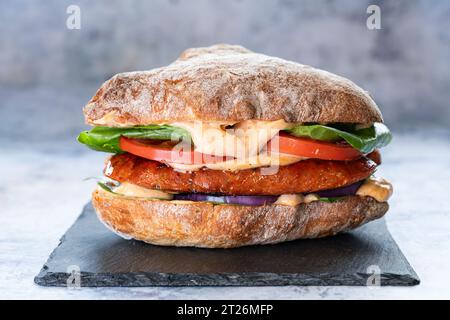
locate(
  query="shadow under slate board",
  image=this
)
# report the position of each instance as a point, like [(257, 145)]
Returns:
[(106, 260)]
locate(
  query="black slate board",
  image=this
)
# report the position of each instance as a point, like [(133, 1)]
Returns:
[(105, 259)]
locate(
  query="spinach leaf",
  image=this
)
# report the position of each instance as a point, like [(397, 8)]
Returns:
[(365, 140), (105, 187), (106, 139), (330, 200)]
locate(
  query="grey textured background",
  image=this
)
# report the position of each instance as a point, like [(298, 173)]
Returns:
[(47, 72)]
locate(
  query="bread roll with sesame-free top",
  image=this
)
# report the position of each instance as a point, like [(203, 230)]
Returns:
[(229, 83), (226, 148)]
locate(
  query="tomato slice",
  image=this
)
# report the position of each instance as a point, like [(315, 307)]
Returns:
[(162, 152), (309, 148), (285, 143)]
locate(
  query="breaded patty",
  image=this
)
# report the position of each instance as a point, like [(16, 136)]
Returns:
[(304, 176)]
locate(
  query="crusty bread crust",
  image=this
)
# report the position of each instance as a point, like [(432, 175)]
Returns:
[(229, 83), (201, 224)]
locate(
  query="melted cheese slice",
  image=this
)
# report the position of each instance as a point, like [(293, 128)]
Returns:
[(244, 140)]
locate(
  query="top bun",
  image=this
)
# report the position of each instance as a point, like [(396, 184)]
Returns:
[(231, 84)]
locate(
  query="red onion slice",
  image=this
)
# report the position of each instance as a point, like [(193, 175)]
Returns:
[(340, 192), (263, 200), (241, 200)]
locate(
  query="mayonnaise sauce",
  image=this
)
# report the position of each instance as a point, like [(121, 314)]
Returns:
[(132, 190), (244, 140), (291, 200), (261, 160), (378, 188)]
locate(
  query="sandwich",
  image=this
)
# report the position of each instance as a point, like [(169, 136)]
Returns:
[(226, 148)]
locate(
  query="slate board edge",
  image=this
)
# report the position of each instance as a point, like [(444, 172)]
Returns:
[(250, 279), (59, 279)]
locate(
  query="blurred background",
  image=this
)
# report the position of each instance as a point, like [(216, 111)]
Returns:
[(48, 72)]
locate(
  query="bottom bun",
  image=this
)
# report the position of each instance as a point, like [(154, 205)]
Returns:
[(208, 225)]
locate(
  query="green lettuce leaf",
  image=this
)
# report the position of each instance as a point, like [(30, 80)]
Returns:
[(330, 199), (365, 140), (106, 139), (106, 187)]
